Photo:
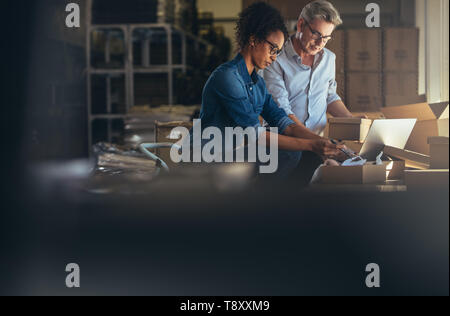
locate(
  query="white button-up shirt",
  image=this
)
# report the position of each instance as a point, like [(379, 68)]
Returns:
[(301, 90)]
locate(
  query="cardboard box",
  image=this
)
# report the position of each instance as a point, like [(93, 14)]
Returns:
[(395, 100), (433, 120), (401, 49), (395, 169), (363, 50), (340, 80), (367, 174), (369, 115), (400, 83), (439, 149), (337, 46), (412, 159), (349, 128), (427, 179), (364, 92), (401, 88)]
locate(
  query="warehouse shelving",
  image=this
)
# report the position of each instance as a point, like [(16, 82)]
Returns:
[(129, 69)]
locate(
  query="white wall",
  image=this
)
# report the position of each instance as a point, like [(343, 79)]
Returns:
[(432, 18)]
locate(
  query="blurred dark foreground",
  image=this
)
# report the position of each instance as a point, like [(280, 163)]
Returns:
[(209, 231)]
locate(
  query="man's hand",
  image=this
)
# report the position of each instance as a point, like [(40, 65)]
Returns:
[(325, 148), (363, 116)]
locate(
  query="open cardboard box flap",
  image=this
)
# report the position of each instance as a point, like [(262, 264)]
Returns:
[(433, 120), (421, 111), (412, 159)]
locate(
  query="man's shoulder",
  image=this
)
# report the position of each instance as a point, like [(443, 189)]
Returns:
[(328, 54)]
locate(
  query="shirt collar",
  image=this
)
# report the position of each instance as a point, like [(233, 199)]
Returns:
[(243, 71)]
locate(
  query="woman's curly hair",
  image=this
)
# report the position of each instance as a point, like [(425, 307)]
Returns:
[(259, 20)]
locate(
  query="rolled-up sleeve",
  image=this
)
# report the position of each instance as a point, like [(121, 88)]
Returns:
[(273, 77), (332, 87), (275, 116)]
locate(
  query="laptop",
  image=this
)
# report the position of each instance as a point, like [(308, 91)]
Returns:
[(394, 133)]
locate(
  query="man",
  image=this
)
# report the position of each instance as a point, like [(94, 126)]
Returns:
[(302, 79)]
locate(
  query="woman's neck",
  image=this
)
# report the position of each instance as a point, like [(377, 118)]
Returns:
[(248, 60)]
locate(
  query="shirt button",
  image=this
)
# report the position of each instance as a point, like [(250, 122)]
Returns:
[(251, 88)]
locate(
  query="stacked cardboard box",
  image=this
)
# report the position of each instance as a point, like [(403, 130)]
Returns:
[(439, 149), (363, 70), (400, 66), (337, 46), (380, 68)]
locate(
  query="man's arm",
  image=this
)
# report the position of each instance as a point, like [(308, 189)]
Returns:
[(338, 109), (295, 119), (300, 131), (320, 146)]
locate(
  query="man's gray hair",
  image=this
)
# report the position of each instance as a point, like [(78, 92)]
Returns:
[(323, 10)]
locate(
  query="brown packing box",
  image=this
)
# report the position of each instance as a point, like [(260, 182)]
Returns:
[(400, 83), (337, 46), (369, 115), (367, 174), (163, 135), (401, 88), (395, 169), (395, 100), (412, 159), (439, 149), (364, 92), (427, 179), (401, 49), (340, 80), (349, 128), (433, 120), (363, 50)]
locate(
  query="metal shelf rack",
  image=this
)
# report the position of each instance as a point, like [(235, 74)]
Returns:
[(129, 69)]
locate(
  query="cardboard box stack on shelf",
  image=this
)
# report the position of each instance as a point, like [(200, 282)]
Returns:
[(376, 67), (401, 66), (337, 46), (363, 70)]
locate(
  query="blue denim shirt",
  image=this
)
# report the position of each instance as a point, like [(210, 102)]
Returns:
[(233, 98), (302, 90)]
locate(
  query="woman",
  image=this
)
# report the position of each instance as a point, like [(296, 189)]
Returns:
[(236, 96)]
